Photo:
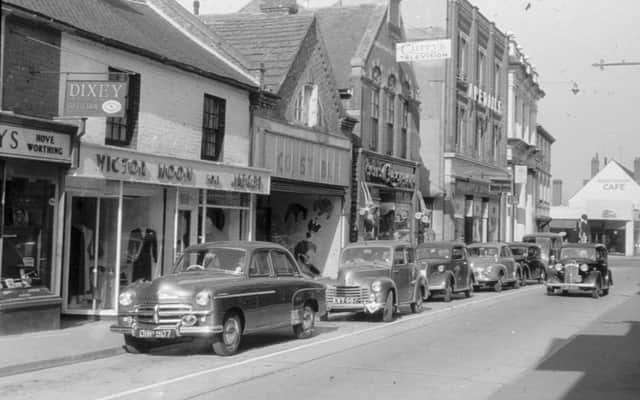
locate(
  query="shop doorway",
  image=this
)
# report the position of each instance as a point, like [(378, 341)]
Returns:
[(91, 254)]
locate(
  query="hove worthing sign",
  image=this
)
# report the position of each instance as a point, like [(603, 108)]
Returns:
[(423, 50), (95, 98)]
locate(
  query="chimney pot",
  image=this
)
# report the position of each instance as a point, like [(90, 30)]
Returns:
[(196, 7)]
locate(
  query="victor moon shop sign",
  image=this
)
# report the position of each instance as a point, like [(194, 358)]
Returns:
[(95, 98)]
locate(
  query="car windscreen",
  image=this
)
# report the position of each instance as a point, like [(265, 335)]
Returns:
[(375, 255), (433, 252), (578, 252), (226, 260), (519, 251), (482, 251)]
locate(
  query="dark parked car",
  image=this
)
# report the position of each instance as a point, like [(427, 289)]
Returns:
[(493, 266), (446, 267), (377, 276), (220, 291), (550, 243), (583, 267), (529, 256)]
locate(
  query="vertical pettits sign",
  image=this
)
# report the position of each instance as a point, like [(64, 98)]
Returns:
[(95, 98)]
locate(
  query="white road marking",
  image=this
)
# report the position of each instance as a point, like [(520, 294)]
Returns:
[(317, 343)]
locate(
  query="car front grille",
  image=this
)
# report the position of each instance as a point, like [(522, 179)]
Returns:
[(161, 314), (358, 294), (572, 274)]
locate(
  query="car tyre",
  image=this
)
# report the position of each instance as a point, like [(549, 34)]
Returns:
[(136, 345), (550, 291), (304, 330), (516, 283), (596, 292), (418, 305), (324, 317), (227, 342), (387, 312), (469, 292)]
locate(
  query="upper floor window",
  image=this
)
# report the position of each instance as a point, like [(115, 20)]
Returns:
[(120, 130), (461, 128), (497, 78), (375, 116), (390, 117), (480, 73), (462, 56), (213, 123), (307, 106)]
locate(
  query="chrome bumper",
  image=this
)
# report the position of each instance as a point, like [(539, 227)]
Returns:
[(359, 307), (180, 331), (562, 285)]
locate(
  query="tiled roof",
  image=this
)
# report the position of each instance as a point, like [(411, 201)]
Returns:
[(344, 30), (136, 26), (272, 39)]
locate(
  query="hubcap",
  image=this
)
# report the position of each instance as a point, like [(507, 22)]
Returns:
[(231, 332), (307, 319)]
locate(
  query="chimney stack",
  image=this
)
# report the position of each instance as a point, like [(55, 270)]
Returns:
[(595, 165), (279, 6), (556, 193), (636, 169), (196, 7)]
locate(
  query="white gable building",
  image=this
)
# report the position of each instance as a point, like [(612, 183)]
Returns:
[(611, 201)]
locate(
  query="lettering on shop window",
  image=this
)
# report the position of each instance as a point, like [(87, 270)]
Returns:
[(247, 181), (173, 172), (119, 165)]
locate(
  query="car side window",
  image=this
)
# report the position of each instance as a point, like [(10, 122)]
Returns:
[(505, 252), (410, 255), (282, 264), (398, 256), (457, 253), (260, 264)]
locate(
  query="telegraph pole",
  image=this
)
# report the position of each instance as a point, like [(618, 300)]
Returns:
[(603, 64)]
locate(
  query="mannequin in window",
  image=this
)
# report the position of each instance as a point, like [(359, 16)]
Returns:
[(79, 263), (142, 252)]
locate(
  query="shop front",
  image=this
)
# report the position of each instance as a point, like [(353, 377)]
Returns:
[(476, 212), (389, 206), (34, 156), (305, 210), (129, 215)]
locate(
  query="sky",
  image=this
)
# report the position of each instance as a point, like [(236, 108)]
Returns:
[(562, 38)]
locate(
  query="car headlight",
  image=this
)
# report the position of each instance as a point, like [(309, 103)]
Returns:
[(126, 298), (440, 268), (471, 265), (584, 267), (376, 286), (559, 267), (203, 298)]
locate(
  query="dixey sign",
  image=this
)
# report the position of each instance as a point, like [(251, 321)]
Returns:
[(423, 50), (30, 143), (95, 98), (107, 163)]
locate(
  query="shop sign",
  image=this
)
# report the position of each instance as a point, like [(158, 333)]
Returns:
[(307, 161), (521, 174), (484, 99), (613, 186), (500, 187), (99, 162), (380, 171), (471, 187), (95, 98), (423, 50), (30, 143)]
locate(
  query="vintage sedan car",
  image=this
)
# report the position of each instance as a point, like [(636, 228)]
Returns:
[(446, 267), (583, 267), (550, 243), (493, 266), (529, 256), (377, 276), (221, 291)]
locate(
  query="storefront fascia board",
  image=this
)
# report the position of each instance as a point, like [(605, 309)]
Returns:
[(34, 139), (468, 168), (386, 171), (107, 162), (280, 128)]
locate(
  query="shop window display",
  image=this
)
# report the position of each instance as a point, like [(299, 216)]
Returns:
[(27, 233), (224, 216)]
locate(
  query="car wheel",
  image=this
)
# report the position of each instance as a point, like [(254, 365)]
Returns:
[(418, 305), (136, 345), (387, 312), (497, 287), (446, 297), (550, 291), (469, 291), (542, 277), (525, 277), (227, 342), (596, 292), (304, 330)]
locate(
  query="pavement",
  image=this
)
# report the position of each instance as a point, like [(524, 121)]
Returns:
[(79, 341)]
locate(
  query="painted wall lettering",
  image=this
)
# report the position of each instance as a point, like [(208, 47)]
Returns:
[(613, 186), (246, 181), (118, 165), (173, 172)]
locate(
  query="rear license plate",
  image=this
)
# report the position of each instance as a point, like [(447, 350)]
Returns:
[(155, 333), (346, 300)]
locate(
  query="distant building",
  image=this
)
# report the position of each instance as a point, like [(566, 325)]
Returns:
[(556, 193)]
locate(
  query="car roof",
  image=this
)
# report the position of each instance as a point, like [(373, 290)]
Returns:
[(487, 244), (522, 244), (245, 244), (378, 243), (441, 243)]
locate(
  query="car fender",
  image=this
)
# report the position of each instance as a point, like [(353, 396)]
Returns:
[(439, 278), (386, 284), (592, 278), (315, 294)]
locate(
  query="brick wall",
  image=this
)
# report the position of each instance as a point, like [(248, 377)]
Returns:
[(23, 91)]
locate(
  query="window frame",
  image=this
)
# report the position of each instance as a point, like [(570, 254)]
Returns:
[(217, 133), (127, 124), (286, 256)]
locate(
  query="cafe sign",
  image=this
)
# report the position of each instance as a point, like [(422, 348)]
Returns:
[(95, 98), (127, 165), (17, 141)]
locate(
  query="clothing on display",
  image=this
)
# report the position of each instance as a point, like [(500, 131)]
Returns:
[(142, 252)]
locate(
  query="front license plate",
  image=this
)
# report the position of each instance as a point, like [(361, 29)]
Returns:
[(155, 333), (346, 300)]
